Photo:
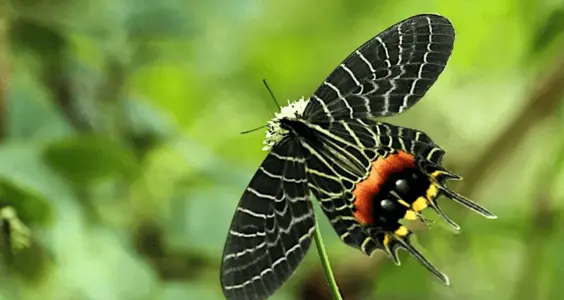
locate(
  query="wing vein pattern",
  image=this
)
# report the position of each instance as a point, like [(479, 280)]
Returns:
[(272, 227), (386, 75)]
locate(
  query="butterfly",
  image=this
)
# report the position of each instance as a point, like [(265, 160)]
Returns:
[(366, 174)]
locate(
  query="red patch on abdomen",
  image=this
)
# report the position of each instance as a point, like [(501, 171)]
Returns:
[(381, 169)]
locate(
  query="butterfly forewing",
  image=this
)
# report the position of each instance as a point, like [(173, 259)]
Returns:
[(272, 227), (386, 75)]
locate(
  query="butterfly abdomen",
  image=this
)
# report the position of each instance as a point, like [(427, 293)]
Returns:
[(376, 187), (395, 188)]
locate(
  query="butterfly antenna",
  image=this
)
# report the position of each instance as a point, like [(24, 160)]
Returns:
[(271, 94), (254, 129), (273, 99)]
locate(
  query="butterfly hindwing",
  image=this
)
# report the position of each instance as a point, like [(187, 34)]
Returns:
[(351, 193), (386, 75), (333, 181), (272, 227)]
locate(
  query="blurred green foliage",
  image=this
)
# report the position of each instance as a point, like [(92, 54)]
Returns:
[(121, 149)]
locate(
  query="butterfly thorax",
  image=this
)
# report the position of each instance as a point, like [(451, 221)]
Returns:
[(283, 123)]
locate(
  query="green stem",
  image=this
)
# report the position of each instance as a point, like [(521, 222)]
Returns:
[(326, 265)]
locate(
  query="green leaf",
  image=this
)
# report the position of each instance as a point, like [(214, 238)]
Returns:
[(30, 115), (22, 167), (145, 125), (143, 118), (550, 30), (84, 159), (16, 234), (27, 182), (152, 19)]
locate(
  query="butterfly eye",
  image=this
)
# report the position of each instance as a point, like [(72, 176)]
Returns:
[(402, 186), (387, 204)]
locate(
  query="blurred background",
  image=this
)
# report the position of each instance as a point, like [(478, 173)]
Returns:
[(121, 158)]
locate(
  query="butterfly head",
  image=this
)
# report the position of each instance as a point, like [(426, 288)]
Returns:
[(275, 132)]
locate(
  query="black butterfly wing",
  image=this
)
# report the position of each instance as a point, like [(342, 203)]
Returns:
[(386, 75), (272, 226), (342, 158)]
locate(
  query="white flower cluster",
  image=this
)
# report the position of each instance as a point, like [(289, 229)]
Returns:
[(275, 133)]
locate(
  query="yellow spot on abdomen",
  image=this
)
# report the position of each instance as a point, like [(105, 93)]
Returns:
[(387, 242), (410, 215), (401, 231), (432, 192), (420, 204)]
